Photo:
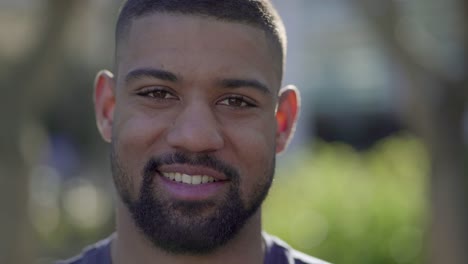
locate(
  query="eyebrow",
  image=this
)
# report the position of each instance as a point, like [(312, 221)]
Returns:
[(238, 83), (152, 73), (171, 77)]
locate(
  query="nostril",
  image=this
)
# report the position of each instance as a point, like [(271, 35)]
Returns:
[(195, 135)]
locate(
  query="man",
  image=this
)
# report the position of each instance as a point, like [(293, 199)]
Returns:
[(195, 116)]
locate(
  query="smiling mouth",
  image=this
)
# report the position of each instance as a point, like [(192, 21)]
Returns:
[(189, 179)]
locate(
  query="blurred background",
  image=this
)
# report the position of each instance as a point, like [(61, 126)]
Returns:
[(377, 172)]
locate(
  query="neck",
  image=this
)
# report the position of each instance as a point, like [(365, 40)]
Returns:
[(131, 246)]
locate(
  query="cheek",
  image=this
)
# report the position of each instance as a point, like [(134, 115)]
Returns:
[(138, 131), (254, 147), (253, 134), (135, 136)]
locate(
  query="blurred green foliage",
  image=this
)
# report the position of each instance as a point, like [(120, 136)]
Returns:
[(353, 207)]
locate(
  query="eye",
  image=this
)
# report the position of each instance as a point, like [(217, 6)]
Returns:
[(157, 93), (237, 101)]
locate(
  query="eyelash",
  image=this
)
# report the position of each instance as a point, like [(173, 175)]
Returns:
[(150, 92), (245, 102)]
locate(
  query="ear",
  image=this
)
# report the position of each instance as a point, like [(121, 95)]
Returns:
[(104, 103), (286, 116)]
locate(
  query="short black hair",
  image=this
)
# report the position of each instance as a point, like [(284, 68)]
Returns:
[(257, 13)]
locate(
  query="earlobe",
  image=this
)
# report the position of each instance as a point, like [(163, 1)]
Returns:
[(104, 103), (286, 116)]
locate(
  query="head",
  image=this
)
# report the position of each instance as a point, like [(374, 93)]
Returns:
[(256, 13), (195, 115)]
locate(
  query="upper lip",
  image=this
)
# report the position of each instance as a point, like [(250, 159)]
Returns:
[(193, 170)]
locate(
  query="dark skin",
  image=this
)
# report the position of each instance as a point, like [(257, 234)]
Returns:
[(197, 85)]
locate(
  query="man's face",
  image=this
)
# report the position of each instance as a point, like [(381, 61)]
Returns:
[(194, 133)]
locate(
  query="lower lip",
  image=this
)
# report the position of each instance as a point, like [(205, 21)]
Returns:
[(191, 192)]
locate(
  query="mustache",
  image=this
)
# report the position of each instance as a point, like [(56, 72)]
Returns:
[(203, 160)]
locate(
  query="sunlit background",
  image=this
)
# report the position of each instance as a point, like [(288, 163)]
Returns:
[(377, 172)]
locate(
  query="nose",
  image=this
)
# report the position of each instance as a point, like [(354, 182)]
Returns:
[(195, 129)]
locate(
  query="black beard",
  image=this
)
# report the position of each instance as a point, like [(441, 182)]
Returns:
[(180, 227)]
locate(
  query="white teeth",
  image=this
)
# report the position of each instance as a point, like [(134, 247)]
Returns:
[(171, 175), (196, 179), (205, 179), (188, 179), (178, 177)]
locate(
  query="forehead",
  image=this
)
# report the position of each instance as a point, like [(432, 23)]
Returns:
[(188, 43)]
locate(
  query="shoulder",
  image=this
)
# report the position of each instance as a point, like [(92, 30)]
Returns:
[(279, 252), (98, 253)]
